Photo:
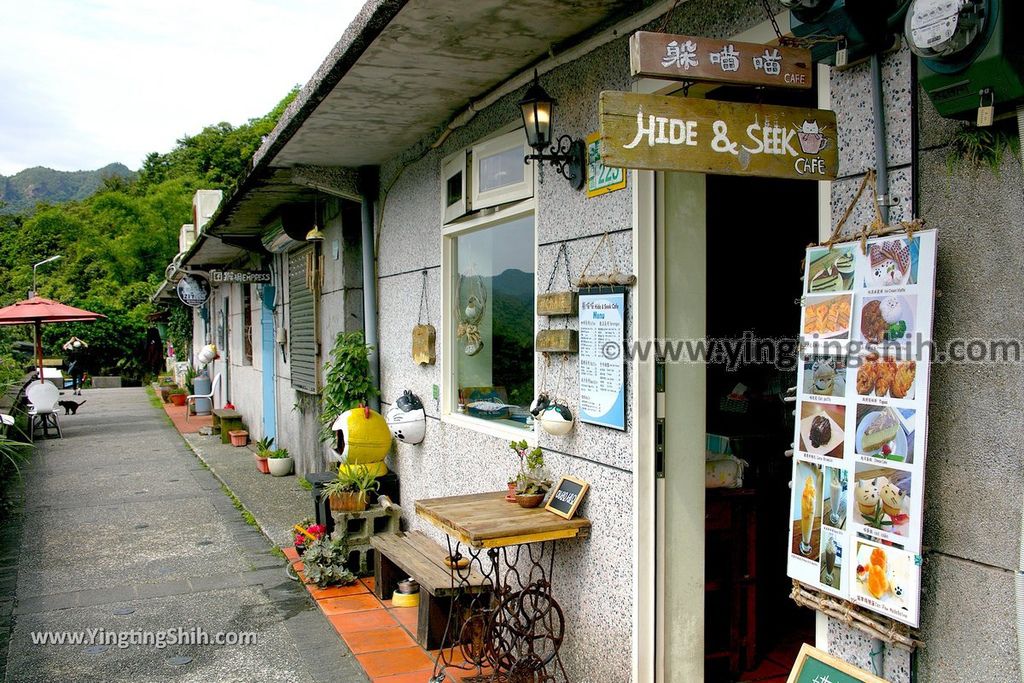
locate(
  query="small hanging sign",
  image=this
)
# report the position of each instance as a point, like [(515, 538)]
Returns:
[(707, 136), (601, 179), (695, 58), (552, 303), (815, 666)]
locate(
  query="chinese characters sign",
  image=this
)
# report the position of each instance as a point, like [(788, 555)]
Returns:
[(706, 136), (245, 277), (692, 58)]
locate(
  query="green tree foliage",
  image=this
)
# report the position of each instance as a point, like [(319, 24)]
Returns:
[(116, 243)]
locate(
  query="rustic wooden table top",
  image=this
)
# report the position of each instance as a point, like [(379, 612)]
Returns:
[(487, 520)]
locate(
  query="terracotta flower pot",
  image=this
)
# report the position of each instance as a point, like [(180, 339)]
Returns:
[(511, 495), (529, 500), (261, 464), (178, 399), (348, 502), (239, 437)]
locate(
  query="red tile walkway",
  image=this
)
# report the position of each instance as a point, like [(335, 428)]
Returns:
[(192, 425), (382, 637)]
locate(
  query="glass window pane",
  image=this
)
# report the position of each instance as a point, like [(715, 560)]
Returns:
[(494, 308), (502, 169)]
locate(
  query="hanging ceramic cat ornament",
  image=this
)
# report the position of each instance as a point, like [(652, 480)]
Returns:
[(539, 404), (407, 419), (556, 418)]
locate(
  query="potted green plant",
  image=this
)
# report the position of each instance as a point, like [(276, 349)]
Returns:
[(324, 562), (348, 492), (347, 380), (280, 462), (177, 396), (531, 483)]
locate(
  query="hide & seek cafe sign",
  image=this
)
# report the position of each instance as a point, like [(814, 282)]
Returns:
[(661, 133)]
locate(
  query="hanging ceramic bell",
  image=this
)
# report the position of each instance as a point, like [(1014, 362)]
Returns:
[(472, 308), (557, 419)]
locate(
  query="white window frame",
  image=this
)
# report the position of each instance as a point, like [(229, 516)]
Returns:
[(449, 345), (509, 193), (456, 163)]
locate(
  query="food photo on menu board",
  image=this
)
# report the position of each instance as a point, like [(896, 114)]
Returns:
[(821, 429), (882, 499), (887, 580), (885, 432), (805, 539), (824, 375), (861, 418), (884, 377), (827, 317), (831, 270)]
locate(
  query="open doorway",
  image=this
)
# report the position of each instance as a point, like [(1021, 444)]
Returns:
[(757, 228), (728, 255)]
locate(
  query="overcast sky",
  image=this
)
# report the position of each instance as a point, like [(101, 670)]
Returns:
[(84, 83)]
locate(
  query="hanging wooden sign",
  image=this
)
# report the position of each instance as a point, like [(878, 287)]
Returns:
[(557, 341), (695, 58), (706, 136), (423, 340)]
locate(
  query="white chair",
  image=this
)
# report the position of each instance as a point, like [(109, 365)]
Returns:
[(42, 411), (192, 397)]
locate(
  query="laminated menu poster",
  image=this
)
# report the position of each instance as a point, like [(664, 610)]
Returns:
[(602, 316), (862, 421)]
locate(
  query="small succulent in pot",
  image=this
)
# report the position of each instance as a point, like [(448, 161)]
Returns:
[(324, 563), (349, 491)]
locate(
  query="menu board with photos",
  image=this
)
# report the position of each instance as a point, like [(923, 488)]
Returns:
[(862, 421)]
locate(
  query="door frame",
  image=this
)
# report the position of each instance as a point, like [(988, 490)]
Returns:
[(648, 652)]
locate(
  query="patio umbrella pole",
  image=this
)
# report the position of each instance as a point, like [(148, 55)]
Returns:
[(39, 349)]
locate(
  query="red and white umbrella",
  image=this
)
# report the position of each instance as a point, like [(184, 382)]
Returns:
[(36, 311)]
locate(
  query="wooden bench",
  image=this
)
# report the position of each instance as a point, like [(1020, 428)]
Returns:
[(402, 555), (226, 420)]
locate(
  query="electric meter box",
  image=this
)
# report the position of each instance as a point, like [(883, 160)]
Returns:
[(866, 26), (987, 72)]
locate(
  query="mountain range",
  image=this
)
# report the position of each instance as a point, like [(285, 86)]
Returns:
[(23, 190)]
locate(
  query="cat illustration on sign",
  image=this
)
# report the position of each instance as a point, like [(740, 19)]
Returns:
[(812, 140)]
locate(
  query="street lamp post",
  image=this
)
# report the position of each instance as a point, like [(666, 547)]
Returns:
[(44, 261)]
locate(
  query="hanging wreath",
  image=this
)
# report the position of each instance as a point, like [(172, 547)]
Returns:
[(472, 291)]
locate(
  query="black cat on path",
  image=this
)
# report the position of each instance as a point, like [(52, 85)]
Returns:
[(70, 407)]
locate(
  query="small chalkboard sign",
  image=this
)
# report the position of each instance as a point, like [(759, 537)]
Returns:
[(814, 666), (567, 496)]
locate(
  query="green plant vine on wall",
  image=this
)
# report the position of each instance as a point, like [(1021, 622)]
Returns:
[(980, 147), (347, 383)]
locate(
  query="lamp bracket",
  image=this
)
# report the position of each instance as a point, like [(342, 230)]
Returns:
[(567, 157)]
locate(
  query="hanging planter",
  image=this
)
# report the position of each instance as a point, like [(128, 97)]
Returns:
[(423, 333)]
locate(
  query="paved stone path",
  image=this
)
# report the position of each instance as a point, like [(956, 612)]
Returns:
[(125, 531)]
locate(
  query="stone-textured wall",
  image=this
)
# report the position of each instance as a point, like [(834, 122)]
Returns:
[(592, 578), (973, 510), (851, 100)]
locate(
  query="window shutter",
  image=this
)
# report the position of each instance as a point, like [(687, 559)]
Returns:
[(302, 337)]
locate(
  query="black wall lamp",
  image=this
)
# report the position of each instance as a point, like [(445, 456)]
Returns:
[(538, 113)]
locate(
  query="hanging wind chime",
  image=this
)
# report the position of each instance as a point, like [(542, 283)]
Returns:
[(470, 314)]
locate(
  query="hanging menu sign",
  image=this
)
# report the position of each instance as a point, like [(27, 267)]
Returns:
[(695, 58), (602, 375), (707, 136), (862, 421)]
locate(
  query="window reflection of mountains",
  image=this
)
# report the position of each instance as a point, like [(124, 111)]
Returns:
[(512, 308)]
